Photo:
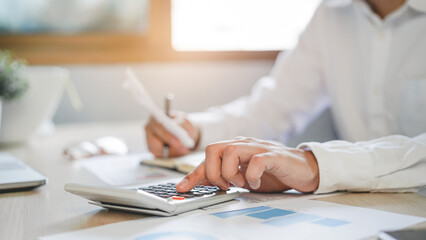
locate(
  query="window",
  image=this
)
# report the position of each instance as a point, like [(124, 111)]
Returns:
[(239, 25), (77, 16), (150, 30)]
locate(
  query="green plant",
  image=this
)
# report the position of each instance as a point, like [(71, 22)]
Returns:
[(12, 84)]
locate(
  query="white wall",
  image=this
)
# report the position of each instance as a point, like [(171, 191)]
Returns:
[(196, 85)]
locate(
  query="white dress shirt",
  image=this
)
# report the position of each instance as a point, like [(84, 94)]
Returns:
[(372, 74)]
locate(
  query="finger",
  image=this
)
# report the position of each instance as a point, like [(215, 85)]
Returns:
[(165, 135), (234, 155), (176, 152), (176, 147), (259, 164), (192, 179), (214, 165), (246, 139), (178, 117), (205, 182), (155, 145)]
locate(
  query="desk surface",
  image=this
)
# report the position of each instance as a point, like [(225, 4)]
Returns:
[(49, 209)]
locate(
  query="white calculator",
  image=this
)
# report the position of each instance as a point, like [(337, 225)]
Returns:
[(160, 199)]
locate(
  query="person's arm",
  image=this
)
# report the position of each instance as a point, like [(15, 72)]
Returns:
[(394, 163), (280, 105)]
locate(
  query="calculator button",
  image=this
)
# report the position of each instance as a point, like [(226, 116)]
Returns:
[(178, 198), (187, 195), (205, 192), (168, 190)]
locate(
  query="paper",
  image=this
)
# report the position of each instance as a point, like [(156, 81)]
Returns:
[(126, 170), (183, 164), (139, 93), (292, 218)]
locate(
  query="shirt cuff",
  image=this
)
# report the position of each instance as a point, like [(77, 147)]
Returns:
[(340, 168)]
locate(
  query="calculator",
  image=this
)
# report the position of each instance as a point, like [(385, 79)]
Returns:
[(159, 199)]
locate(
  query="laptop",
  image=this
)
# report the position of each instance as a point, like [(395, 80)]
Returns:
[(17, 176)]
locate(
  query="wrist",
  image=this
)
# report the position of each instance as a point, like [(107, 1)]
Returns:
[(312, 163)]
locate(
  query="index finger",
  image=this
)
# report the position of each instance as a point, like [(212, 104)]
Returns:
[(192, 179), (155, 145)]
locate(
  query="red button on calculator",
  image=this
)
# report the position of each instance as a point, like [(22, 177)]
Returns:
[(178, 198)]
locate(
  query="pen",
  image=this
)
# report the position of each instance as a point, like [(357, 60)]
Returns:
[(167, 109), (168, 103), (141, 96)]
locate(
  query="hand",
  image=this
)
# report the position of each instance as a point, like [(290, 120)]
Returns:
[(257, 165), (157, 136)]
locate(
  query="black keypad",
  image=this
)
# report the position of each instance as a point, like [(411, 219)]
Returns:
[(169, 190)]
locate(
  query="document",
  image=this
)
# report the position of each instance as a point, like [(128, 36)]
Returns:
[(132, 84), (292, 218), (125, 170), (183, 164)]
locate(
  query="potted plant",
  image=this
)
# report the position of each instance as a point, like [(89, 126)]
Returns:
[(12, 83)]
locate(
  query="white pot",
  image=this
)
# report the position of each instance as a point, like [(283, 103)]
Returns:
[(1, 105), (24, 117)]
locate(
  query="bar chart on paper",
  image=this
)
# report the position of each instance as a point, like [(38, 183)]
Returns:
[(281, 217), (298, 219), (260, 215), (290, 219)]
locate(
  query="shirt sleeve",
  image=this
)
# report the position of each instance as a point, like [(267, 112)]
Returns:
[(280, 105), (394, 163)]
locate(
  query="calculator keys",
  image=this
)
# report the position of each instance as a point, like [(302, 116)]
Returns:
[(169, 190), (197, 194)]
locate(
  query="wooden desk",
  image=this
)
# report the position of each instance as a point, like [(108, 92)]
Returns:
[(49, 209)]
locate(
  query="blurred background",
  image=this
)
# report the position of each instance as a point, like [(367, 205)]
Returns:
[(205, 52)]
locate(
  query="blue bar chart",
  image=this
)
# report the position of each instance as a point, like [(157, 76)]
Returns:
[(281, 217)]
